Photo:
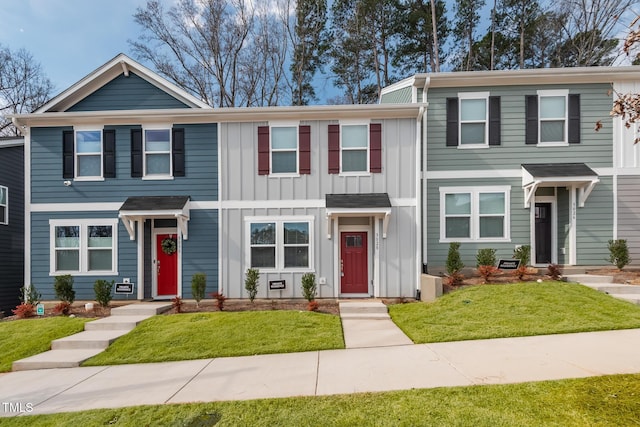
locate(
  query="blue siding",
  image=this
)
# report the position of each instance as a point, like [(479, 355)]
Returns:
[(200, 251), (127, 93), (200, 182), (12, 235)]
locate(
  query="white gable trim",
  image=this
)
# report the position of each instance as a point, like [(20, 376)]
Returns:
[(107, 72)]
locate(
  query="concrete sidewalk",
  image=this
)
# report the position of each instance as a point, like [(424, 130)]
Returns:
[(498, 361)]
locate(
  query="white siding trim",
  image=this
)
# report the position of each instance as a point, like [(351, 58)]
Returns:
[(276, 204), (473, 174), (27, 208), (106, 206)]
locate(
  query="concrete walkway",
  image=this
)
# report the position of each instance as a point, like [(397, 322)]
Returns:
[(368, 324), (498, 361), (605, 284)]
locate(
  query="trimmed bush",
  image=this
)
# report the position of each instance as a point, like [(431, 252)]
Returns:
[(103, 289), (251, 282), (454, 262), (618, 253), (523, 253), (63, 286), (30, 295), (198, 286), (309, 286), (486, 256)]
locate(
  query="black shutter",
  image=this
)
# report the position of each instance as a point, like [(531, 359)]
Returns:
[(177, 151), (452, 122), (531, 114), (109, 153), (494, 120), (67, 154), (574, 119), (136, 153)]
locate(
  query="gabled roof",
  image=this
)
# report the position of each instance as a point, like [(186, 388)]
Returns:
[(121, 64)]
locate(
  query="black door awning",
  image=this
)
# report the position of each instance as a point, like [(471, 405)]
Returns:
[(577, 175), (362, 204), (140, 208)]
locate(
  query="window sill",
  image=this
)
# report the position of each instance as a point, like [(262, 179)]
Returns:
[(473, 147), (157, 178), (284, 270), (355, 173), (552, 144), (284, 175), (88, 179), (84, 273), (471, 240)]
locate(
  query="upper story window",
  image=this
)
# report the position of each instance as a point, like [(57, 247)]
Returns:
[(473, 120), (355, 148), (284, 149), (88, 154), (87, 246), (158, 153), (4, 205), (553, 118), (474, 214), (280, 243)]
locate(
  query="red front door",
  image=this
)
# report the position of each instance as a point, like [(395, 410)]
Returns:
[(167, 265), (353, 263)]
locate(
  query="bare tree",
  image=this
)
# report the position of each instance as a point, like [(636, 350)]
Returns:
[(219, 50), (23, 86)]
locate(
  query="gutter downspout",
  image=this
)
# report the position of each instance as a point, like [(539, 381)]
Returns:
[(26, 132), (418, 193), (423, 176)]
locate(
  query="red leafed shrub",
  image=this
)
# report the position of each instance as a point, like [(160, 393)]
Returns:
[(487, 271), (454, 279), (313, 305), (554, 272), (24, 310), (176, 303), (62, 307), (220, 299)]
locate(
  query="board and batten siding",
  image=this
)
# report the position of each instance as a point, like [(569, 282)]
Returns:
[(239, 166), (200, 181), (629, 214), (595, 148), (127, 93), (12, 234), (627, 151)]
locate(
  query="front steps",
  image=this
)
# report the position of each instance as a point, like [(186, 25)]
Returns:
[(604, 284), (368, 324), (71, 351)]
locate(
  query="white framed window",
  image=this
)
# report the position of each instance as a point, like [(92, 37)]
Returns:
[(552, 116), (354, 148), (88, 152), (475, 214), (157, 153), (4, 205), (284, 149), (474, 119), (83, 247), (279, 243)]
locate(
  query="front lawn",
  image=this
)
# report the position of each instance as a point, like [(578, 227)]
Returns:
[(206, 335), (596, 401), (514, 310), (27, 337)]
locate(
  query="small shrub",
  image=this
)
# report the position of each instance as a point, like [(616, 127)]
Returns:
[(487, 272), (63, 307), (313, 305), (102, 290), (63, 285), (309, 286), (520, 272), (198, 286), (176, 304), (486, 256), (251, 282), (454, 262), (24, 310), (220, 299), (523, 253), (454, 279), (554, 272), (618, 253), (30, 295)]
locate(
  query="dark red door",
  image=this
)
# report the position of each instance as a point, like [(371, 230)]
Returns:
[(167, 265), (353, 263)]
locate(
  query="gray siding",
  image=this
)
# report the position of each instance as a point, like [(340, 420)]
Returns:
[(595, 224), (595, 148), (400, 96), (563, 225), (242, 182), (629, 214), (200, 181), (12, 235), (127, 93)]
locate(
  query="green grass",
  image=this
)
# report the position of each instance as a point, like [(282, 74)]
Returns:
[(24, 338), (206, 335), (597, 401), (514, 310)]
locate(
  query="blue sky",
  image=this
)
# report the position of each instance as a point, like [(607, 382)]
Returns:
[(69, 38)]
